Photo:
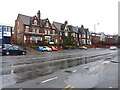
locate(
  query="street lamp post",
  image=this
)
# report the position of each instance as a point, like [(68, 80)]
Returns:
[(95, 33)]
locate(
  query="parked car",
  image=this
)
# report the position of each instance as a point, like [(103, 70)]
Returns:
[(47, 48), (83, 47), (41, 48), (113, 48), (13, 50), (44, 48), (53, 48)]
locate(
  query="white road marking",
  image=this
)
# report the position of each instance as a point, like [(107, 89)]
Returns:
[(103, 63), (100, 65), (86, 67), (106, 62), (49, 80), (74, 71), (110, 87)]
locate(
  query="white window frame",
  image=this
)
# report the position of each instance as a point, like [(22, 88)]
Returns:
[(47, 24), (47, 38), (35, 22), (45, 31), (53, 32), (31, 39), (66, 33), (56, 40), (33, 30), (26, 28), (25, 38), (48, 32), (37, 30)]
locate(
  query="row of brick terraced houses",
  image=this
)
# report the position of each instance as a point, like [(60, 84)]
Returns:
[(32, 30)]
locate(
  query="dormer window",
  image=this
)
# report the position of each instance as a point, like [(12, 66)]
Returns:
[(47, 24), (35, 22), (53, 32)]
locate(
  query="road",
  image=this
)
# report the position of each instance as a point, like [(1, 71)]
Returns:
[(27, 68)]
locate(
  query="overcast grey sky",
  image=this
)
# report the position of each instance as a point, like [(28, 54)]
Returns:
[(76, 12)]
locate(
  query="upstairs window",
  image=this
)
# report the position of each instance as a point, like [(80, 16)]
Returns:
[(45, 31), (79, 35), (37, 30), (47, 24), (73, 34), (53, 32), (33, 30), (66, 34), (26, 28), (48, 32), (35, 22)]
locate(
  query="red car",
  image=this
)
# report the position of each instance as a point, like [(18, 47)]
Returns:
[(53, 48)]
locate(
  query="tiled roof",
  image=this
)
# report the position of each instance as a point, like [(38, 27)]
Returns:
[(80, 30), (58, 25), (42, 22), (63, 26), (26, 19), (73, 29)]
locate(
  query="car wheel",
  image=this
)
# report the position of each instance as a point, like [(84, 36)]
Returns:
[(23, 53), (7, 53)]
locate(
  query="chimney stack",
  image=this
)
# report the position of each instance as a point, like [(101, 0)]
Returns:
[(66, 22), (82, 26), (39, 15)]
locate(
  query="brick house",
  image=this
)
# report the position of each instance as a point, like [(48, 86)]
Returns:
[(60, 29), (31, 30), (110, 39), (81, 35), (97, 37), (84, 36)]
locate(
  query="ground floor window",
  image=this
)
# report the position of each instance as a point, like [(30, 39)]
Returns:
[(48, 38), (32, 39)]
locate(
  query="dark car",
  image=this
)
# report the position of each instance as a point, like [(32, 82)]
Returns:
[(13, 50)]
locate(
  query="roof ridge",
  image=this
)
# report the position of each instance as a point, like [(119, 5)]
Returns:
[(57, 22), (25, 15)]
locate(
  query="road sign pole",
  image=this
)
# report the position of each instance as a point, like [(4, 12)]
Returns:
[(2, 36)]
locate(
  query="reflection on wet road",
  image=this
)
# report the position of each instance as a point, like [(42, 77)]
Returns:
[(86, 78), (18, 69)]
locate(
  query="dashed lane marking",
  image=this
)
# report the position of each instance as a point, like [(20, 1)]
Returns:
[(74, 71), (49, 80)]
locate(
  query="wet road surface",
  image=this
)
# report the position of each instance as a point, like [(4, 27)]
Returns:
[(16, 69)]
